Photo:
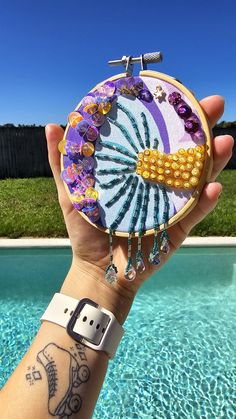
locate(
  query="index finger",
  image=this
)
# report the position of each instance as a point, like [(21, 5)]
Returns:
[(213, 107)]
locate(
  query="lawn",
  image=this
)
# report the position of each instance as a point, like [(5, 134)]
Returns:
[(29, 208)]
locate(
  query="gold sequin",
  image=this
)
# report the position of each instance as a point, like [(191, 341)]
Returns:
[(160, 178), (61, 147), (189, 167), (177, 173), (193, 180), (196, 172), (182, 151), (91, 193), (175, 166), (145, 174), (190, 151), (175, 157), (178, 184), (169, 182), (187, 185), (185, 175), (160, 163), (88, 149), (190, 159), (199, 156), (199, 164)]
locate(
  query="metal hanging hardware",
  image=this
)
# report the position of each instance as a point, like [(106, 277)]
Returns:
[(144, 59)]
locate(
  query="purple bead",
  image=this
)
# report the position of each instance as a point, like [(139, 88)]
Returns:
[(78, 205), (174, 98), (68, 176), (199, 136), (129, 83), (88, 181), (79, 166), (98, 119), (92, 133), (145, 95), (88, 164), (73, 148), (88, 100), (89, 203), (139, 84), (183, 110), (107, 89), (195, 118), (191, 126), (82, 127), (120, 83), (79, 188), (93, 214)]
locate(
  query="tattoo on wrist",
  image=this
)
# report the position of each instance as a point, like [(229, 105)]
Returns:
[(65, 375)]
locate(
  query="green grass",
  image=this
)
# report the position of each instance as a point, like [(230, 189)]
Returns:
[(29, 208), (222, 221)]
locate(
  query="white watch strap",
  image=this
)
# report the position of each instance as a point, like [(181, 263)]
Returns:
[(90, 324)]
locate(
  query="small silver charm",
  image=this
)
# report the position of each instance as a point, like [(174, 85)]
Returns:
[(160, 94)]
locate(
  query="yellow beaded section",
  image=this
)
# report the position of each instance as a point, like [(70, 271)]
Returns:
[(181, 170)]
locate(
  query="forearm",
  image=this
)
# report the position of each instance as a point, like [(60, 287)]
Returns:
[(44, 385)]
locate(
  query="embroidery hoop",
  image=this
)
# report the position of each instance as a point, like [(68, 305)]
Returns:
[(207, 169)]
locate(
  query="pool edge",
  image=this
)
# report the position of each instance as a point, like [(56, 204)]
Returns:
[(64, 242)]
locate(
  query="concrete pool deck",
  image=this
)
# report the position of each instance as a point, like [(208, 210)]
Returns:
[(64, 242)]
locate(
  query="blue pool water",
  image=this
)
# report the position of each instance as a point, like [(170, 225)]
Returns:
[(177, 359)]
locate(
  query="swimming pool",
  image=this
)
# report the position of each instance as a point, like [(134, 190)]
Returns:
[(178, 356)]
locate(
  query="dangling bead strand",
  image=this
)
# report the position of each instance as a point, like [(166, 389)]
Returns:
[(130, 272), (140, 267), (154, 257), (111, 270), (165, 245), (164, 239), (139, 261)]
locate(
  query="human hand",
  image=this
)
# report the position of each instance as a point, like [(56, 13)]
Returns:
[(90, 246)]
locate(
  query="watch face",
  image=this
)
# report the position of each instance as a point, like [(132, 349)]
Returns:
[(136, 153)]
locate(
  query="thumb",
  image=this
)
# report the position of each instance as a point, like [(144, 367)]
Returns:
[(54, 134)]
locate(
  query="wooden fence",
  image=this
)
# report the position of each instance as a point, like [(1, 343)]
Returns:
[(23, 151)]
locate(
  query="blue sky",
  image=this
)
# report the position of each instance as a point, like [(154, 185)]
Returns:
[(54, 52)]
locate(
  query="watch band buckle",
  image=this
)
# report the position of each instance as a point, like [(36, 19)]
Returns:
[(82, 326)]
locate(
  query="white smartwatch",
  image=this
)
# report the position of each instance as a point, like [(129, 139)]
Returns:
[(86, 322)]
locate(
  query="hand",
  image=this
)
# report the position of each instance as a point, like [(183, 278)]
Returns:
[(90, 245)]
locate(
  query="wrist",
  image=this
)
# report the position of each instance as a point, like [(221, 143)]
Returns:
[(87, 280)]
